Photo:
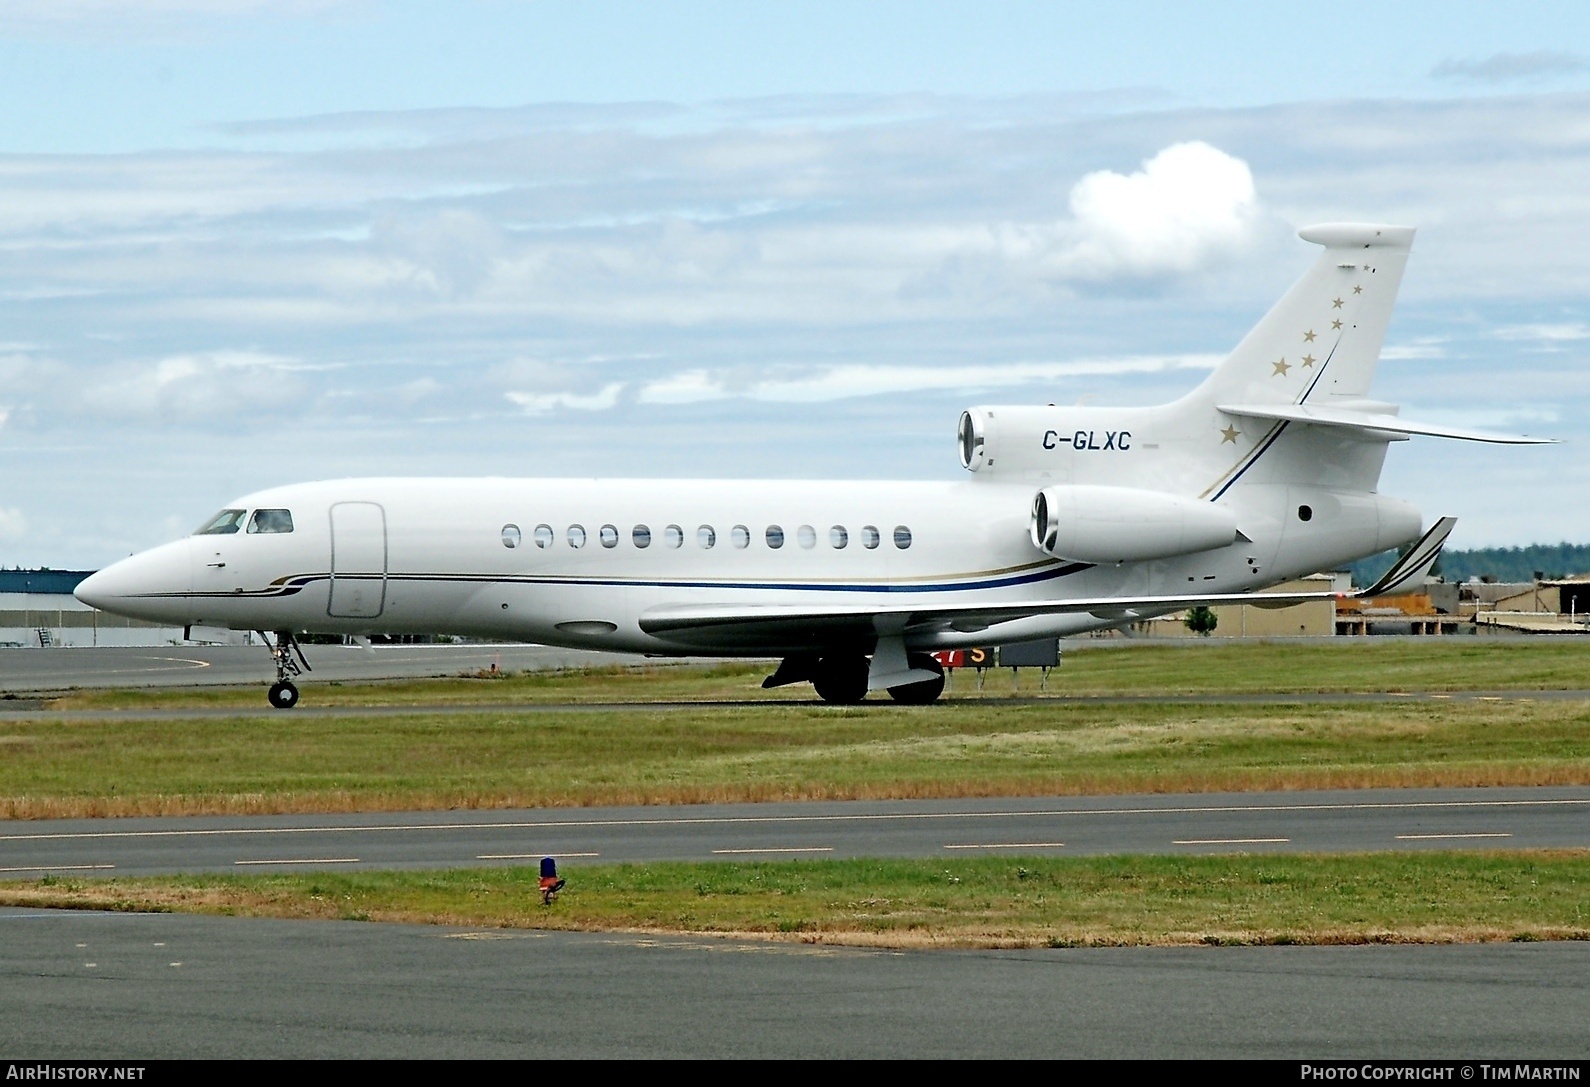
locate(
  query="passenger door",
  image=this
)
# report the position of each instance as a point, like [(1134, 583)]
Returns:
[(358, 560)]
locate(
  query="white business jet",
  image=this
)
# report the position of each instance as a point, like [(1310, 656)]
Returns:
[(1072, 519)]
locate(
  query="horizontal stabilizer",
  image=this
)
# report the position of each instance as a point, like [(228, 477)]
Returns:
[(1372, 421), (1408, 573)]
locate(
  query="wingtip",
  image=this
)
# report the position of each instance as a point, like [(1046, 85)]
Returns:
[(1411, 569)]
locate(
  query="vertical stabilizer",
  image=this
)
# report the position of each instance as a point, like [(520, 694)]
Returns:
[(1321, 341)]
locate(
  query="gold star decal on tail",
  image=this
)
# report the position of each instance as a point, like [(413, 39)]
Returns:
[(1308, 360), (1308, 337), (1357, 289), (1280, 368), (1336, 324), (1229, 435), (1336, 303)]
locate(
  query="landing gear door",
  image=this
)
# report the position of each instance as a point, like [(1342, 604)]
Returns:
[(358, 560)]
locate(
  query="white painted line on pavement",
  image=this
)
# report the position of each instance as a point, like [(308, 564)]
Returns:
[(1009, 845), (306, 860), (527, 856), (1432, 837), (786, 849), (59, 868), (1231, 841)]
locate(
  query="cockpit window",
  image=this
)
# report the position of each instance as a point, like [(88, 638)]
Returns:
[(282, 521), (223, 524)]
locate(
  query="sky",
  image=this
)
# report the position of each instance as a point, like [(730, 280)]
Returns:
[(247, 243)]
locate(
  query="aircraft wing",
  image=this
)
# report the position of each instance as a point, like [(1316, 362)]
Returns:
[(704, 624), (721, 625)]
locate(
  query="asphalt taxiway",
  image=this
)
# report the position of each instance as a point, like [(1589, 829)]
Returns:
[(31, 671), (1326, 821), (130, 986)]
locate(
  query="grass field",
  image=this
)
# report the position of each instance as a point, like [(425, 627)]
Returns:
[(723, 738), (297, 763), (1005, 902), (700, 752)]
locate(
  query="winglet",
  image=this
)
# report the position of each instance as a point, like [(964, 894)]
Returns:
[(1408, 572)]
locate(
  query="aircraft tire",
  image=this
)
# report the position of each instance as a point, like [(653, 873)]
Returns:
[(920, 694), (284, 696), (841, 680)]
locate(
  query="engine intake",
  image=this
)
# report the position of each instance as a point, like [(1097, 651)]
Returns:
[(1122, 524)]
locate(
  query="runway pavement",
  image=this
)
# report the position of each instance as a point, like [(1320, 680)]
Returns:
[(131, 986), (25, 673), (1334, 821)]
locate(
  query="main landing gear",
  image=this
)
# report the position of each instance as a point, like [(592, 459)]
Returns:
[(925, 691), (841, 678), (290, 661)]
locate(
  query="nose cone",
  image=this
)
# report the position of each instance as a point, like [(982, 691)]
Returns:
[(154, 585)]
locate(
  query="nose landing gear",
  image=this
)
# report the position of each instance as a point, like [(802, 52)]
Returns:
[(290, 661)]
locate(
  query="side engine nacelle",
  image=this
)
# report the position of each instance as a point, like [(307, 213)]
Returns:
[(1109, 446), (1122, 524)]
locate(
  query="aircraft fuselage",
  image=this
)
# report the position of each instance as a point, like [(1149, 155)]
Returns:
[(580, 562)]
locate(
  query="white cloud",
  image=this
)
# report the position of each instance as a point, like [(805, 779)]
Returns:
[(543, 403), (1545, 333), (689, 387), (422, 390), (24, 14), (842, 382), (1188, 203), (1505, 67), (208, 387), (628, 271), (13, 524), (1429, 347)]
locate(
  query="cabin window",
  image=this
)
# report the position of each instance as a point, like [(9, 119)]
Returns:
[(271, 521), (775, 537), (576, 535), (510, 535), (869, 536), (902, 537), (740, 536), (1305, 513), (806, 536), (223, 524), (608, 534), (544, 536), (641, 535), (838, 537), (706, 536), (674, 536)]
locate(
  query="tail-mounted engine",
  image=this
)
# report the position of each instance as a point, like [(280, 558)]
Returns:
[(1015, 441), (1122, 524)]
